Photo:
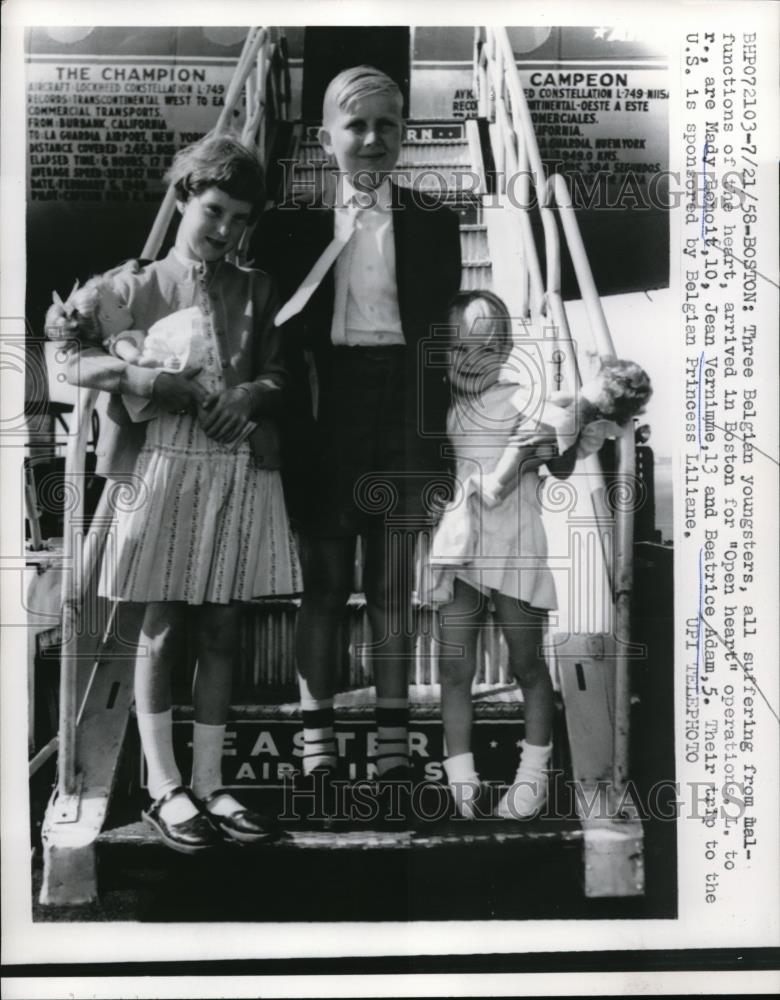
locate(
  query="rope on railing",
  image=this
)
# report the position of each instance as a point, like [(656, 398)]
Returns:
[(501, 98)]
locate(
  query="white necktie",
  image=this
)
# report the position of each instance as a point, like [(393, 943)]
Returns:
[(321, 267)]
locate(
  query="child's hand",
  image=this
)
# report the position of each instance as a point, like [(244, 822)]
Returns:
[(58, 325), (63, 321), (178, 393), (490, 491), (539, 436), (536, 446), (224, 415)]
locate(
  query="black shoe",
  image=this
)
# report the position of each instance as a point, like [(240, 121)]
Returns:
[(314, 797), (195, 834), (393, 799), (401, 773), (320, 779), (431, 806), (245, 825)]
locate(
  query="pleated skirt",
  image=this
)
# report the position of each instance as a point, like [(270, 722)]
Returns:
[(198, 523)]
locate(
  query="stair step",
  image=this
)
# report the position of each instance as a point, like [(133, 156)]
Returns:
[(452, 153), (489, 702), (450, 833), (476, 276), (417, 162), (464, 872), (474, 243), (468, 209), (435, 158), (267, 629)]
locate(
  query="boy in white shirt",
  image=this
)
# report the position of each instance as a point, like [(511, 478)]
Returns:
[(373, 448)]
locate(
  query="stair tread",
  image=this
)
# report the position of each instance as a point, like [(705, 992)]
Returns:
[(308, 163), (406, 144), (490, 701), (451, 833)]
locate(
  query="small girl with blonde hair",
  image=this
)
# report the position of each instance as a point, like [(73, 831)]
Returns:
[(490, 546)]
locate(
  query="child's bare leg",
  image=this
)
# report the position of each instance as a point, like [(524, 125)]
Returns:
[(523, 629), (460, 621), (217, 627), (387, 576), (459, 624), (328, 573), (162, 634)]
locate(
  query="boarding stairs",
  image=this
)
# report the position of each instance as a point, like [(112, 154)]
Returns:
[(93, 811)]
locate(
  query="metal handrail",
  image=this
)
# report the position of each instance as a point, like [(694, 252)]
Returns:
[(502, 99), (72, 590), (81, 555)]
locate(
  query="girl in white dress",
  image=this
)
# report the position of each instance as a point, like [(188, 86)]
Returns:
[(490, 545)]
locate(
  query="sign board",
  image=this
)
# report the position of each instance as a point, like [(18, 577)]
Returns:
[(598, 97), (107, 108), (263, 754)]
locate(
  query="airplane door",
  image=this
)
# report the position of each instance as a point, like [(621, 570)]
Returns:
[(329, 50)]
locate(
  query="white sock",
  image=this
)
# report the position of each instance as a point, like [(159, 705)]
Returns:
[(463, 779), (528, 792), (207, 745), (156, 732)]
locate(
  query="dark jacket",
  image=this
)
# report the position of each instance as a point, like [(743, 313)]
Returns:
[(287, 242)]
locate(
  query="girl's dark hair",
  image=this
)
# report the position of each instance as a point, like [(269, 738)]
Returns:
[(219, 160)]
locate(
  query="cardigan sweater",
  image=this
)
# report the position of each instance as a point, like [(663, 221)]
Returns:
[(242, 303)]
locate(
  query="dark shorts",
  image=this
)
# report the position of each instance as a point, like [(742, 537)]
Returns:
[(370, 469)]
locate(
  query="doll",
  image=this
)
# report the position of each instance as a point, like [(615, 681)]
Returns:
[(95, 315)]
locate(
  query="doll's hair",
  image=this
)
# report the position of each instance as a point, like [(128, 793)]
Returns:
[(85, 302), (76, 318), (219, 160), (626, 389), (484, 314), (353, 85)]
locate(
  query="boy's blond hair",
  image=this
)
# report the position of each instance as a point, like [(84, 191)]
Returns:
[(353, 85)]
